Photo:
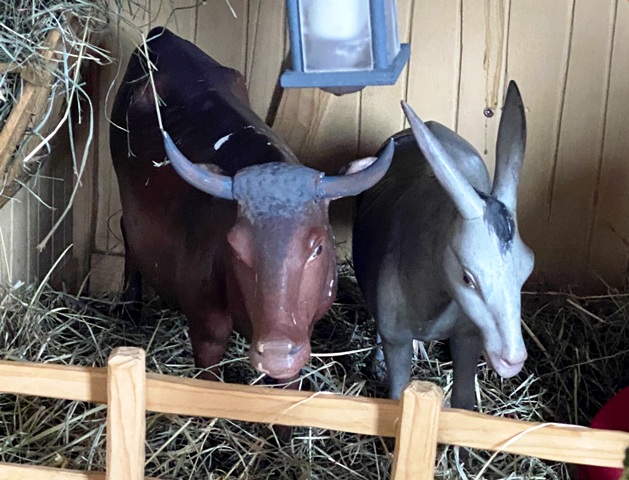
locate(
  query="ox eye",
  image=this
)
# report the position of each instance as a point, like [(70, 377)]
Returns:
[(468, 279), (316, 252)]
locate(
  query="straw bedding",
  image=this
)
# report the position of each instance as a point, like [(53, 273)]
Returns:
[(579, 356)]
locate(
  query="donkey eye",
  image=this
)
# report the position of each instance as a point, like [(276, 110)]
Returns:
[(468, 279), (316, 252)]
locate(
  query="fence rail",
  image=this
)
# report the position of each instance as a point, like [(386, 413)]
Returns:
[(418, 422)]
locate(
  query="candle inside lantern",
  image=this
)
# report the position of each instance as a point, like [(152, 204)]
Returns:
[(336, 35)]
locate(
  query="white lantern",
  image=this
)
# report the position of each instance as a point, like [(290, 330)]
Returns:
[(344, 45)]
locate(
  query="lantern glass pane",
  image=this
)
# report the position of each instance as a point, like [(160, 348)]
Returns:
[(336, 35), (393, 40)]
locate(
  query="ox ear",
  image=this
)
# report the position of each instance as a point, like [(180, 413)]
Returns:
[(459, 189), (359, 176), (206, 181), (357, 165), (239, 238), (510, 148)]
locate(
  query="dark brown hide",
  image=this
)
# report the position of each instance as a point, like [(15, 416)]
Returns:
[(227, 267)]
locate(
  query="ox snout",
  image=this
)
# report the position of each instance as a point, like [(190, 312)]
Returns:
[(280, 359)]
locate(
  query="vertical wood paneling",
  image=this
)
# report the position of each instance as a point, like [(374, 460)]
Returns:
[(265, 52), (178, 16), (380, 111), (120, 41), (572, 197), (45, 258), (321, 128), (484, 36), (19, 234), (108, 217), (221, 35), (32, 204), (84, 210), (58, 200), (434, 69), (539, 38), (580, 139), (609, 250), (5, 244)]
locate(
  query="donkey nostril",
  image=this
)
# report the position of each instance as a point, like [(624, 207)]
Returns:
[(260, 347)]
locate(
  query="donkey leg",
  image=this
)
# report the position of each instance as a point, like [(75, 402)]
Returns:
[(398, 357), (465, 348)]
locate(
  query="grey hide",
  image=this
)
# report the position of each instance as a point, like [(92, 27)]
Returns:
[(437, 251)]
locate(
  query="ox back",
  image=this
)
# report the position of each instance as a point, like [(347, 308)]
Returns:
[(254, 254)]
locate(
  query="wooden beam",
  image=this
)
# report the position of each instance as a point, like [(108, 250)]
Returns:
[(557, 442), (186, 396), (368, 416), (28, 472), (126, 414), (85, 203), (417, 432)]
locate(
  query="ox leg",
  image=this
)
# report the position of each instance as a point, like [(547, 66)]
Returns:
[(132, 288), (398, 357), (283, 433), (465, 348), (209, 335)]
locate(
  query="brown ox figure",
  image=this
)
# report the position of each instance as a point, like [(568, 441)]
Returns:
[(237, 234)]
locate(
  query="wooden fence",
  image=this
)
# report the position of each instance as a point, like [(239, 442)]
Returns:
[(417, 421)]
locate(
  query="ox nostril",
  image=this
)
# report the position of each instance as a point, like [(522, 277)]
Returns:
[(273, 347), (296, 349)]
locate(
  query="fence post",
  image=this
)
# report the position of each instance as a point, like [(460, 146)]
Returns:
[(126, 421), (416, 439)]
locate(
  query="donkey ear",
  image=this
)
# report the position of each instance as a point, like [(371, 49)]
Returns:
[(458, 188), (510, 148)]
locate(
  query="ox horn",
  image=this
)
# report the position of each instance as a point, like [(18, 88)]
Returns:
[(217, 185), (347, 185)]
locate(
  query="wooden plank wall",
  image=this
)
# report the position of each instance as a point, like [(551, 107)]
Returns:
[(28, 217), (569, 57)]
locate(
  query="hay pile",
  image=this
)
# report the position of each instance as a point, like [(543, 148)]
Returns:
[(579, 356), (24, 27)]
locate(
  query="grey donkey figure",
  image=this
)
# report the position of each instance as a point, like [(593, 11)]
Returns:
[(437, 251)]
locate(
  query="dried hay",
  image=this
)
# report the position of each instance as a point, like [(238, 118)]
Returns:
[(24, 26), (24, 29), (579, 356)]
